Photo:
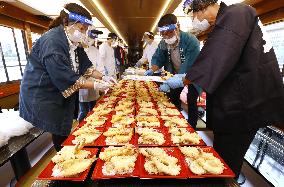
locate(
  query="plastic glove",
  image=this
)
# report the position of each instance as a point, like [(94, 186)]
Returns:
[(164, 88), (101, 85), (180, 75), (183, 95), (138, 64), (149, 72), (109, 79), (175, 82)]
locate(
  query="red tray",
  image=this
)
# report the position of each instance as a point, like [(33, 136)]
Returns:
[(83, 122), (109, 124), (172, 152), (98, 174), (181, 117), (189, 129), (227, 173), (71, 137), (102, 142), (165, 132), (46, 173), (160, 120), (138, 109)]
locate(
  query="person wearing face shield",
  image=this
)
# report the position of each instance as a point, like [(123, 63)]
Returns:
[(238, 69), (107, 55), (119, 56), (149, 50), (88, 97), (57, 68), (177, 52)]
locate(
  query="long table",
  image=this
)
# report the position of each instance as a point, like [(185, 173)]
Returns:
[(208, 182)]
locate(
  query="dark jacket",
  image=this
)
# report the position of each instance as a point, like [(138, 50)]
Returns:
[(48, 74), (239, 70)]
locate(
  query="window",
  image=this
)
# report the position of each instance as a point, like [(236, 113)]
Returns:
[(13, 54), (276, 33), (3, 77), (35, 36)]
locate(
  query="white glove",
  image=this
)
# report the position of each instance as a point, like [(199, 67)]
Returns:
[(109, 79), (101, 86)]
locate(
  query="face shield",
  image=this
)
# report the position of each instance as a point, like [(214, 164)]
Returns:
[(78, 31), (169, 33)]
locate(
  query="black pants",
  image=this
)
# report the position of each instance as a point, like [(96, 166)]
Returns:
[(232, 147), (57, 141), (174, 97), (192, 105), (85, 108)]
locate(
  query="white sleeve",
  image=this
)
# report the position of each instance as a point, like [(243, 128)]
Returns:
[(102, 51)]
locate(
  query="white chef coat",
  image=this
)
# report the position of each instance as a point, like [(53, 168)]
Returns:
[(148, 52), (87, 95), (107, 58)]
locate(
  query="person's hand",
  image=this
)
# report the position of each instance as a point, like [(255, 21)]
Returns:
[(175, 82), (97, 75), (149, 72), (109, 79), (183, 95), (101, 85), (164, 88)]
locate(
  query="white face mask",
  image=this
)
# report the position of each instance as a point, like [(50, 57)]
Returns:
[(200, 25), (172, 40), (114, 44), (90, 42), (77, 36)]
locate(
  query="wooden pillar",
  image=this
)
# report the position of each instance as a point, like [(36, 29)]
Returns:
[(28, 35)]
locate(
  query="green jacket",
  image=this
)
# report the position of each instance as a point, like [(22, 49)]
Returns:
[(189, 50)]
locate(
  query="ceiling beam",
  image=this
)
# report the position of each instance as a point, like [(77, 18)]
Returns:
[(102, 17), (19, 14), (264, 7)]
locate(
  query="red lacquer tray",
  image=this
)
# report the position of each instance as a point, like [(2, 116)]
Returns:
[(46, 173), (227, 173), (172, 152), (102, 142), (164, 131), (71, 137), (98, 174)]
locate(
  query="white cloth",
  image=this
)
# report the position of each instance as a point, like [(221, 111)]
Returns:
[(87, 95), (148, 52), (107, 58), (12, 125)]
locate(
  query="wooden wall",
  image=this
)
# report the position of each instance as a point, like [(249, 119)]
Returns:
[(15, 17)]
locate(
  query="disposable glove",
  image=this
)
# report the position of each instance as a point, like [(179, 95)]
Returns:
[(149, 72), (180, 75), (164, 88), (109, 79), (175, 82), (183, 95), (139, 64), (101, 85)]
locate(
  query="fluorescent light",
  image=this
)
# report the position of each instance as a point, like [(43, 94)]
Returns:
[(160, 15), (105, 15)]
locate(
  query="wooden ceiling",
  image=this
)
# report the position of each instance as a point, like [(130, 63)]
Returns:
[(131, 17)]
